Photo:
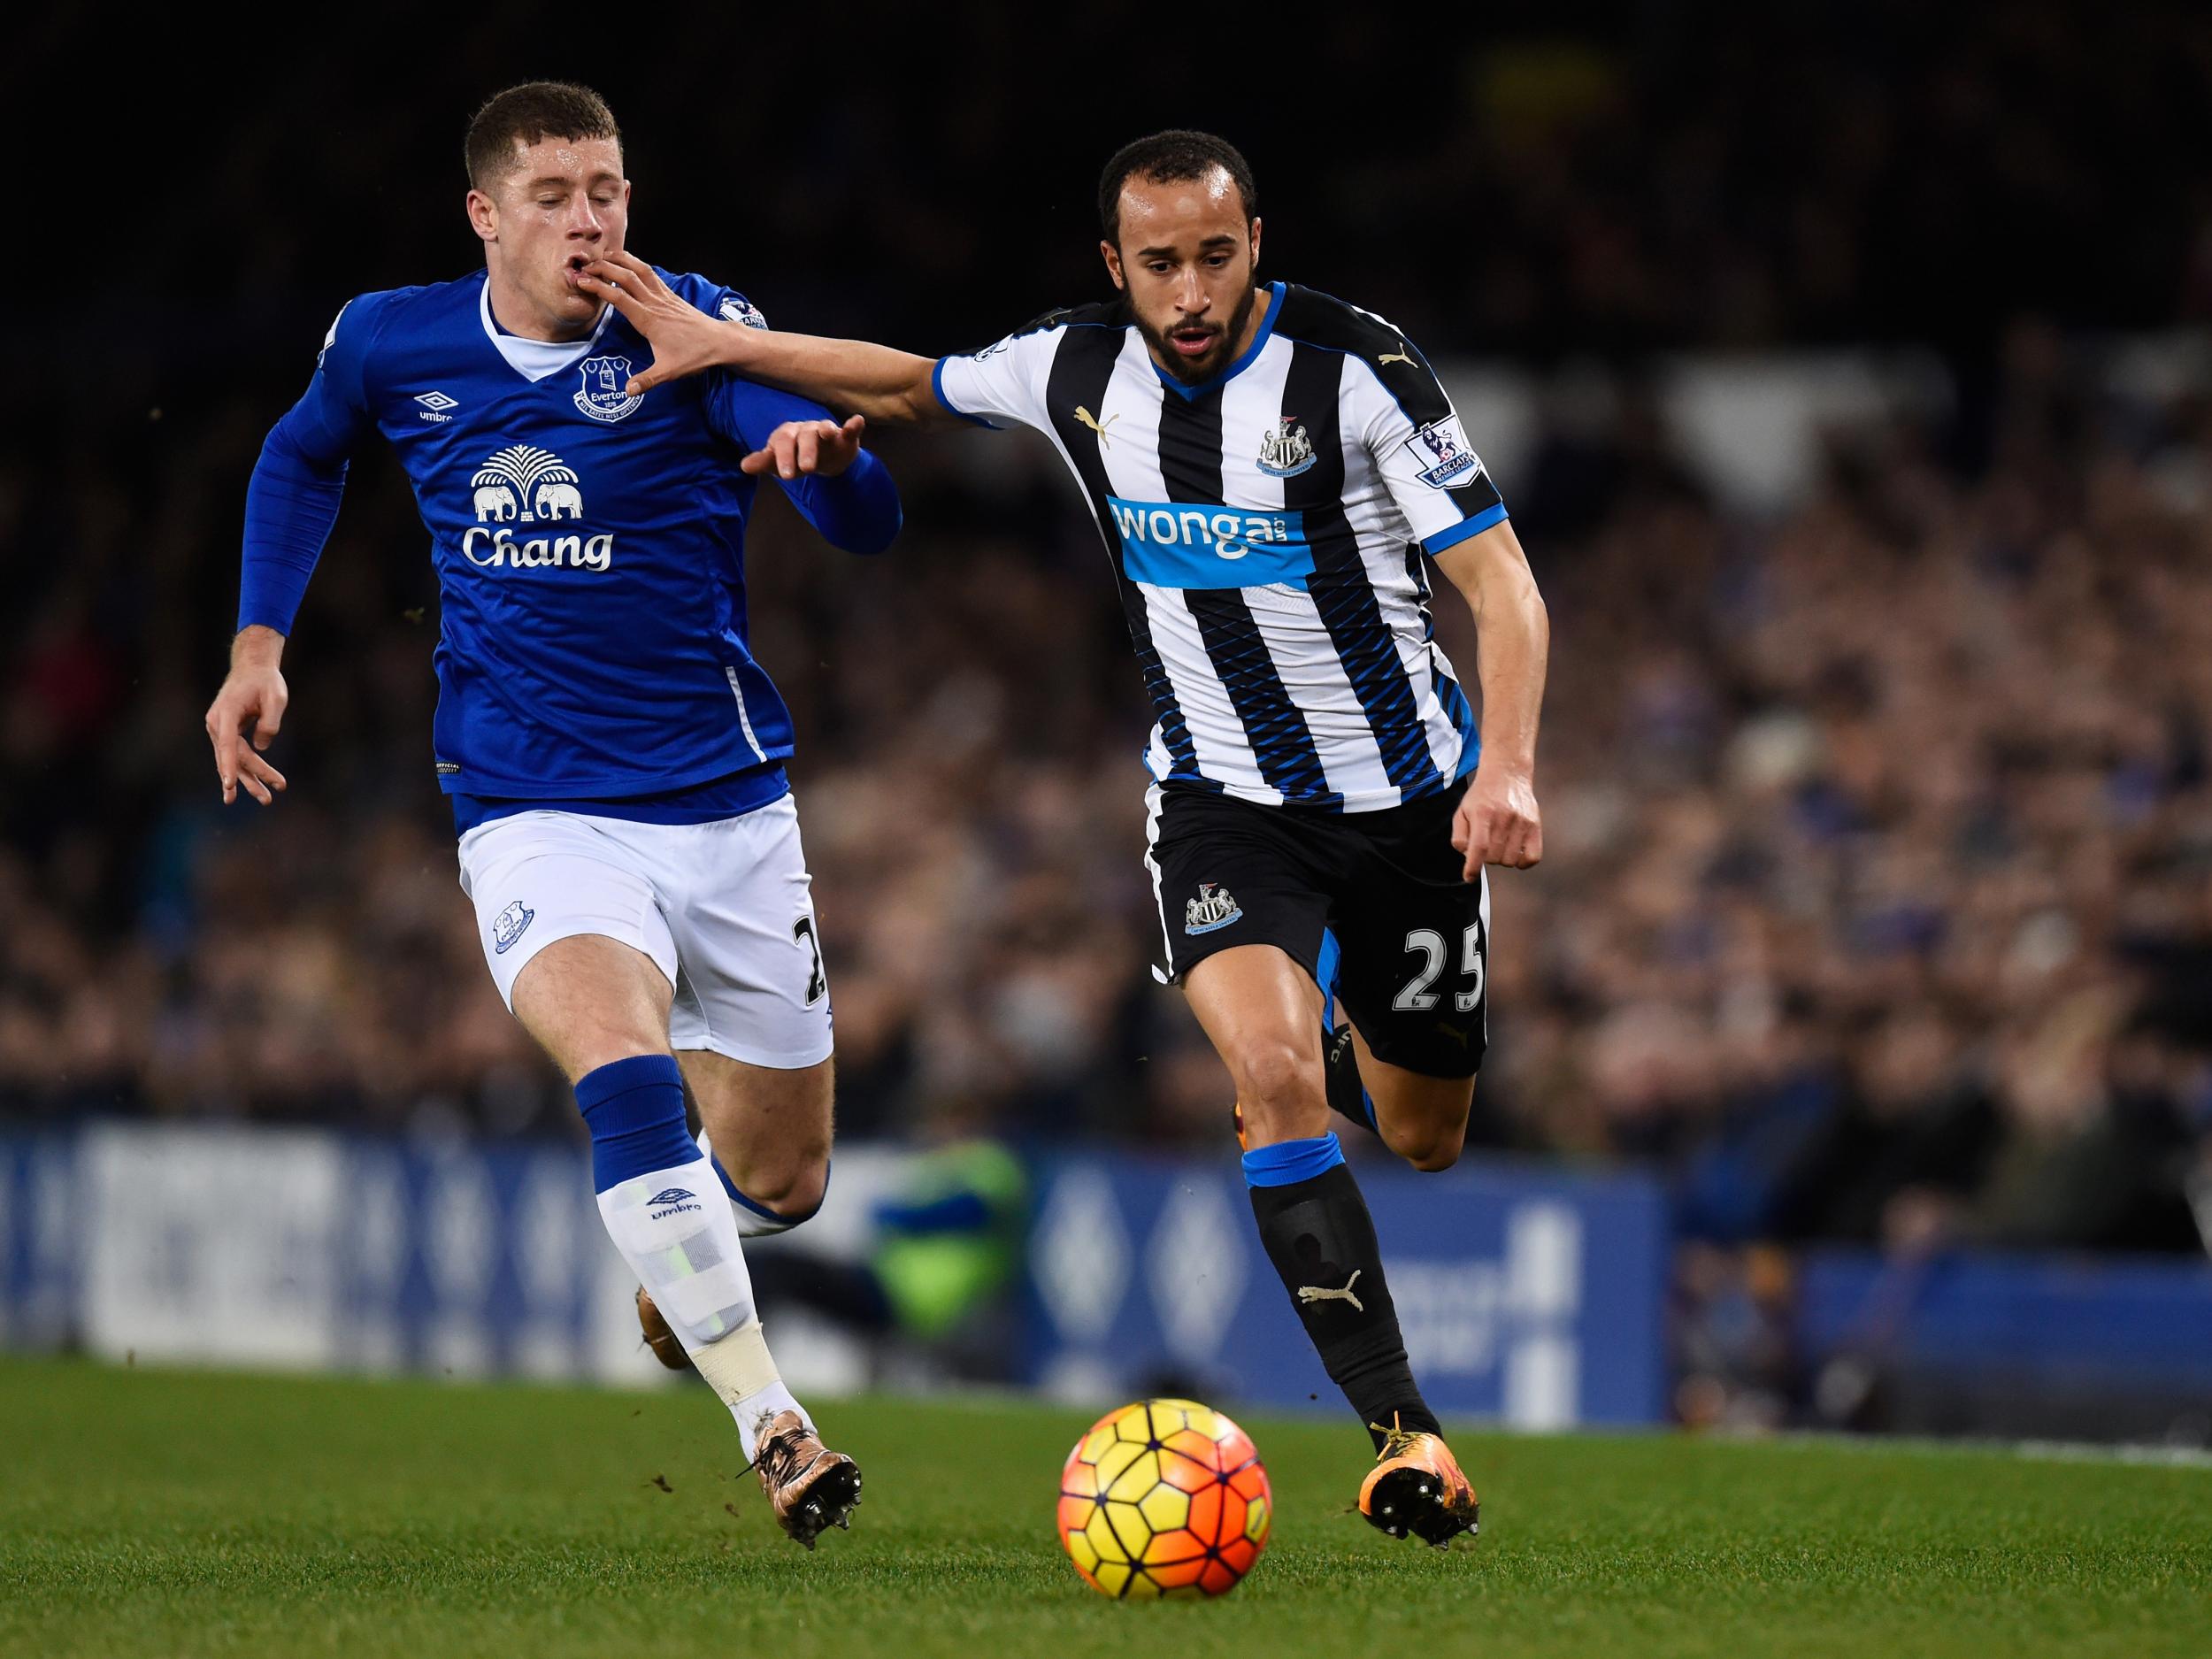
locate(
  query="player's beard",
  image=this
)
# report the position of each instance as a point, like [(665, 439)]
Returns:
[(1193, 369)]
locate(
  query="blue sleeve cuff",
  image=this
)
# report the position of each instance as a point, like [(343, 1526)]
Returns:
[(937, 385), (858, 511), (1466, 528)]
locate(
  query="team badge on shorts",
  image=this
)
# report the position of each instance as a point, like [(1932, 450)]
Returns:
[(1213, 909), (508, 925)]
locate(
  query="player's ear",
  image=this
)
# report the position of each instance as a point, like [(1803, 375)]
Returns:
[(1112, 256), (1255, 244), (483, 216)]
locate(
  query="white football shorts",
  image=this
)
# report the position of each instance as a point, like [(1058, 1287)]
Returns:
[(724, 909)]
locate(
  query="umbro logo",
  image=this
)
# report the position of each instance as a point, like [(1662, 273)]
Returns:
[(670, 1200), (435, 405)]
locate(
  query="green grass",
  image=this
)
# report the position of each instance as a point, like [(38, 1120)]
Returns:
[(148, 1512)]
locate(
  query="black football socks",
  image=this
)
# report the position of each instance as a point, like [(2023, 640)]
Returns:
[(1317, 1231)]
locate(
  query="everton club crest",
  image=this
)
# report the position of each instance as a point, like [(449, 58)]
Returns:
[(602, 396), (1286, 451)]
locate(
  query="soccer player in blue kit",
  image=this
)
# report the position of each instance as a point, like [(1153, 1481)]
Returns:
[(613, 752)]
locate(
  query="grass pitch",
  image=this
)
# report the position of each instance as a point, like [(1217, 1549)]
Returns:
[(148, 1512)]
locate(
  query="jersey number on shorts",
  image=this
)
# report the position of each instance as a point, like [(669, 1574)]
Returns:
[(817, 982), (1414, 997)]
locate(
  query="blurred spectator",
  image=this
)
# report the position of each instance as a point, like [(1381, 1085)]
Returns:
[(942, 1261)]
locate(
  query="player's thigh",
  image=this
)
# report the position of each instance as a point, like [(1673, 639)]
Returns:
[(573, 935), (1242, 915), (590, 1000), (771, 1126), (1414, 980), (750, 983), (1227, 874)]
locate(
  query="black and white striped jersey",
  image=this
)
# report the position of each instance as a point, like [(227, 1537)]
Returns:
[(1267, 528)]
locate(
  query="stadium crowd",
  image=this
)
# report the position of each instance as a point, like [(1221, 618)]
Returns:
[(1878, 902), (1877, 898)]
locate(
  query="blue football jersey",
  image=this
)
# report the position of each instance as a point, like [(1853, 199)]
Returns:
[(589, 545)]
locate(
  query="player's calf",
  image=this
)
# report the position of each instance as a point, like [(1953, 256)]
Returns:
[(1315, 1227), (657, 1200), (1420, 1117)]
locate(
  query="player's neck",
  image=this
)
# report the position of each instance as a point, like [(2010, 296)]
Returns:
[(517, 316)]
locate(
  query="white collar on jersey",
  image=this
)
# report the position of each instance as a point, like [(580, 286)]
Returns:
[(534, 359)]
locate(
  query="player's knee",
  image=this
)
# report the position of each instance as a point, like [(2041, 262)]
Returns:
[(1434, 1151), (1430, 1133), (1281, 1091), (788, 1179), (795, 1188)]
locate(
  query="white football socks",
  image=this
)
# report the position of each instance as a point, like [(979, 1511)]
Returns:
[(678, 1231)]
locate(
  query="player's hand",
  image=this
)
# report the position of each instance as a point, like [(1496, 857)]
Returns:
[(251, 701), (684, 339), (820, 447), (1498, 822)]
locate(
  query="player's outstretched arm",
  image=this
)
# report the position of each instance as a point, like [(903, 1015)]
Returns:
[(873, 380), (1498, 821), (291, 504), (246, 714)]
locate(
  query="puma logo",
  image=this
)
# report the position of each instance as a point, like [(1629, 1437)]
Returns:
[(1400, 356), (1091, 420), (1319, 1293)]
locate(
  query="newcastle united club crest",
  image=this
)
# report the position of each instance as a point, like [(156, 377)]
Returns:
[(1213, 909), (1286, 451)]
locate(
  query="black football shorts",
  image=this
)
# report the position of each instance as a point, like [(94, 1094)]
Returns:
[(1408, 941)]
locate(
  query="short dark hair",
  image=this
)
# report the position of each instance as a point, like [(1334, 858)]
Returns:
[(1170, 157), (527, 113)]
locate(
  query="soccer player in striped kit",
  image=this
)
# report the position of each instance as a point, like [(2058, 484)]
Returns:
[(1268, 466)]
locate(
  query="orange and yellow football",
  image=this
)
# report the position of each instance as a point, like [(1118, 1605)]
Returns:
[(1164, 1498)]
